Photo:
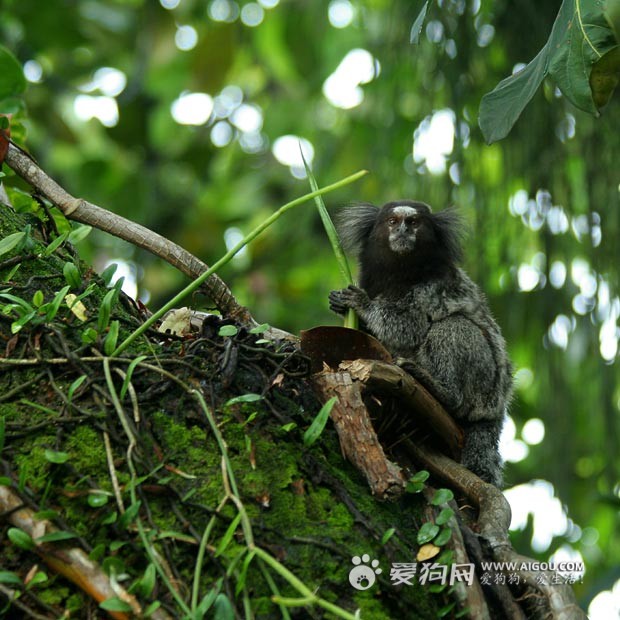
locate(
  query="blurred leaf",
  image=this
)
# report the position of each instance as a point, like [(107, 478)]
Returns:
[(55, 537), (605, 76), (20, 539), (12, 80), (72, 275), (318, 424), (442, 496), (227, 330), (56, 457), (115, 604), (416, 29), (11, 241), (243, 398), (579, 37), (427, 532), (79, 233), (501, 108)]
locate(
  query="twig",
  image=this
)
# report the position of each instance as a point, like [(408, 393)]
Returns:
[(12, 596)]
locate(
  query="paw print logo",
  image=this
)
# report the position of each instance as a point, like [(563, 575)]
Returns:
[(362, 575)]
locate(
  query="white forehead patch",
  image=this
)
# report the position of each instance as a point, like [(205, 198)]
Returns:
[(404, 211)]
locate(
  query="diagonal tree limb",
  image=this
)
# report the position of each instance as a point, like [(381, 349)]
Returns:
[(85, 212), (552, 601), (71, 562)]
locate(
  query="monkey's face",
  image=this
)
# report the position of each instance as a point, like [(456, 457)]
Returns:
[(405, 225)]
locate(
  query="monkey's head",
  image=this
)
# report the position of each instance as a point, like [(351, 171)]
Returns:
[(403, 237)]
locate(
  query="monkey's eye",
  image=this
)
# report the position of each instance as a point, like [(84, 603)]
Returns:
[(392, 221)]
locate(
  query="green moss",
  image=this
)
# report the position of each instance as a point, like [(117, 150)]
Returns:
[(87, 450), (31, 463)]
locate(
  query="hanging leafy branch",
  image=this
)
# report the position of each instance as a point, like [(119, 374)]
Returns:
[(582, 46), (581, 56)]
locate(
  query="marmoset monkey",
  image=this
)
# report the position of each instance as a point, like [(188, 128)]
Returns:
[(423, 307)]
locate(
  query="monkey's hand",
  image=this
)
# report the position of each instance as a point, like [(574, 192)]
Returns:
[(350, 297)]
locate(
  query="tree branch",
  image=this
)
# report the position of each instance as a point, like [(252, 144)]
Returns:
[(85, 212)]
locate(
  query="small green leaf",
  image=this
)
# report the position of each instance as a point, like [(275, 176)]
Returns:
[(10, 241), (110, 519), (442, 496), (443, 537), (129, 374), (54, 245), (97, 553), (129, 515), (72, 275), (223, 609), (241, 579), (151, 609), (251, 417), (414, 487), (55, 304), (108, 273), (7, 576), (113, 565), (445, 610), (11, 273), (260, 329), (109, 344), (105, 310), (427, 532), (115, 545), (39, 577), (56, 457), (228, 535), (79, 234), (23, 320), (288, 427), (21, 303), (227, 330), (12, 80), (208, 599), (55, 537), (416, 29), (38, 299), (244, 398), (74, 386), (387, 535), (444, 516), (89, 335), (318, 424), (115, 604), (146, 584), (420, 476), (96, 500), (20, 539)]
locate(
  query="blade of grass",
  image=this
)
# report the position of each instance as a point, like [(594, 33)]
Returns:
[(190, 288), (350, 319)]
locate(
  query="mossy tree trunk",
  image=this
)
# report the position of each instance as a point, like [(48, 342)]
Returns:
[(189, 501)]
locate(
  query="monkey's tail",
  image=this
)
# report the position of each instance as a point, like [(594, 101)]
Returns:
[(481, 450)]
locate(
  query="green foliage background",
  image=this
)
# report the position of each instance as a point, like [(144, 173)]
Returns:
[(173, 179)]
